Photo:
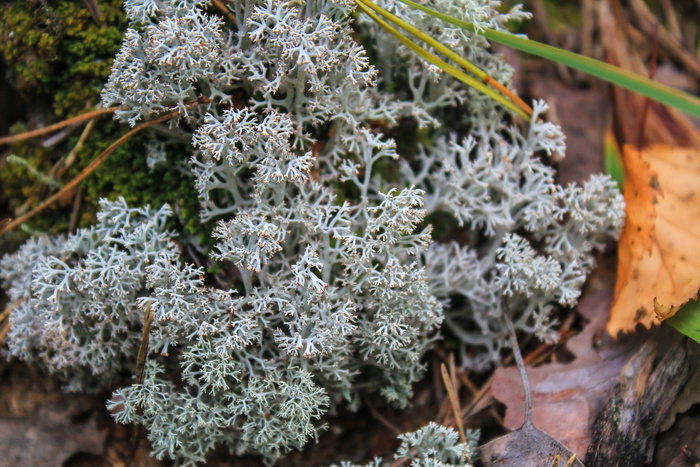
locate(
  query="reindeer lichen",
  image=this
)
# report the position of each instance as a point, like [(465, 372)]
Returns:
[(331, 285)]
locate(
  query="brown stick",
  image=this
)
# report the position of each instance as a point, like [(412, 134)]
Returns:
[(625, 431), (5, 319), (64, 164), (75, 214), (143, 348), (4, 329), (148, 316), (56, 126)]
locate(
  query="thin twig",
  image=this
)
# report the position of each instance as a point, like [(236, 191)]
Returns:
[(56, 126), (4, 330), (443, 415), (437, 387), (64, 164), (382, 419), (5, 319), (95, 12), (652, 71), (587, 25), (650, 26), (93, 166), (4, 314), (674, 26), (542, 19), (75, 213), (452, 394), (225, 11), (143, 348), (521, 365), (59, 136), (148, 316), (471, 409), (468, 384)]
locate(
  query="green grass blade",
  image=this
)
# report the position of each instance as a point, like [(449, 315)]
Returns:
[(467, 65), (605, 71), (610, 73), (687, 320), (450, 19), (446, 67), (446, 51)]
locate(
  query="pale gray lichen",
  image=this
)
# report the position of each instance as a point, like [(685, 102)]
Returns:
[(340, 288), (494, 184), (431, 446)]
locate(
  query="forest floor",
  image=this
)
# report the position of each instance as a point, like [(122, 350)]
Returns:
[(576, 383)]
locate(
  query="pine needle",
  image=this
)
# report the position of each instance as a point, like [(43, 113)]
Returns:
[(55, 126), (94, 165)]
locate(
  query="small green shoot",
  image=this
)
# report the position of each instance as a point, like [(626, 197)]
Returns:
[(687, 320), (45, 179), (613, 159)]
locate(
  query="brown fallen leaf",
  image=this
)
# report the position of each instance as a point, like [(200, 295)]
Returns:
[(661, 237), (527, 446), (658, 269), (568, 396)]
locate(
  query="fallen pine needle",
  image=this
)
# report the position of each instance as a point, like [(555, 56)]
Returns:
[(55, 126), (92, 166), (454, 401)]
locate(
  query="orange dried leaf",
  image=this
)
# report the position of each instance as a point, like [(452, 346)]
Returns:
[(658, 268)]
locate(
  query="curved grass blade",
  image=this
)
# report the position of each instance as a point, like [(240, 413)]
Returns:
[(446, 67), (605, 71), (446, 51)]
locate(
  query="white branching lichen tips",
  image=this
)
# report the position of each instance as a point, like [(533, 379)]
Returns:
[(332, 285)]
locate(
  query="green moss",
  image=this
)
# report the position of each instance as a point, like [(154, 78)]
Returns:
[(58, 54), (126, 173), (17, 182), (57, 51)]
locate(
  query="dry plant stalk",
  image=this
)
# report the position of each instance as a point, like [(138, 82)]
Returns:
[(56, 126), (93, 166)]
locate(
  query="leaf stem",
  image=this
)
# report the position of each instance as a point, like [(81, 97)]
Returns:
[(519, 360)]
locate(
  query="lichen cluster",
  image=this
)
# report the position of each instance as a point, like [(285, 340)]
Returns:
[(336, 287)]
